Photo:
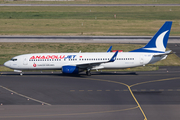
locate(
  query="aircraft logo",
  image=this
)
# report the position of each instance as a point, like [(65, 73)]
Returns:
[(34, 65), (159, 41)]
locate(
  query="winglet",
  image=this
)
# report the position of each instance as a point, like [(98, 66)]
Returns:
[(109, 50), (113, 57)]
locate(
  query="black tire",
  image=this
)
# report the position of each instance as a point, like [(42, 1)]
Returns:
[(88, 73)]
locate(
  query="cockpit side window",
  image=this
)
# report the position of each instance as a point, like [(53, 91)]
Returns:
[(13, 59)]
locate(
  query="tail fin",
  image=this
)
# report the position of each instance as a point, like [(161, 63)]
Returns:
[(159, 41)]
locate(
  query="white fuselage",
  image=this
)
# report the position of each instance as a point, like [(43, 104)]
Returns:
[(55, 61)]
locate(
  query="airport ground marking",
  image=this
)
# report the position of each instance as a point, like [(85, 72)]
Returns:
[(143, 89), (99, 90), (25, 96), (174, 78), (81, 90), (161, 89), (125, 90), (134, 90), (86, 113), (90, 90), (146, 75), (108, 90), (129, 87), (178, 89), (170, 89), (145, 118), (116, 90)]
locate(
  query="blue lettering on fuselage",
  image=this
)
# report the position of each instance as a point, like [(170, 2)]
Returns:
[(70, 57)]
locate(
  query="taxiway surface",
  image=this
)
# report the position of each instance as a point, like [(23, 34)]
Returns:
[(104, 95)]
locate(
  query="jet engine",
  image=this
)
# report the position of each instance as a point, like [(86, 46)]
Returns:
[(70, 70)]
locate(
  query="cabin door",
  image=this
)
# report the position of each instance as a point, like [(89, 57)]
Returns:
[(25, 61), (141, 59)]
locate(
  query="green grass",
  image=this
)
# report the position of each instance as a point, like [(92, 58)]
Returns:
[(97, 2), (3, 68), (87, 20), (105, 13)]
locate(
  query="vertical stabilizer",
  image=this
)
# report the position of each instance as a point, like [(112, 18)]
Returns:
[(159, 41)]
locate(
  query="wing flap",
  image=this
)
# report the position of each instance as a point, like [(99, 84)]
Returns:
[(95, 63)]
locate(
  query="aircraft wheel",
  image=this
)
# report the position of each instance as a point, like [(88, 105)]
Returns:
[(88, 73)]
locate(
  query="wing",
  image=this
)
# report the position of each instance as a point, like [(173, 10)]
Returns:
[(90, 65)]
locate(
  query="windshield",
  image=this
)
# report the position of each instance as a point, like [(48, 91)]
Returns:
[(14, 59)]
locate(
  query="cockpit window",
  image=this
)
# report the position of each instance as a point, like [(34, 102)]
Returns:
[(13, 59)]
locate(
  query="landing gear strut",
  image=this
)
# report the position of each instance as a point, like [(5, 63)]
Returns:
[(21, 73), (88, 73)]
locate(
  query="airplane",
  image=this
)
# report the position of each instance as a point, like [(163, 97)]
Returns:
[(74, 63)]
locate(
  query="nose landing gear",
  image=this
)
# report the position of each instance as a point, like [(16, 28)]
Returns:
[(21, 73)]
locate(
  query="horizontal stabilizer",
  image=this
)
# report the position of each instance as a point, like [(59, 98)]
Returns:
[(166, 53)]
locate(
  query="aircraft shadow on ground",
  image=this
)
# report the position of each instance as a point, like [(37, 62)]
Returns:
[(70, 75)]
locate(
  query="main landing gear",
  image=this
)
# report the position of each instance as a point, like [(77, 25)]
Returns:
[(88, 72)]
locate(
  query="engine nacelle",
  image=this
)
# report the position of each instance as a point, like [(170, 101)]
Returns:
[(70, 70)]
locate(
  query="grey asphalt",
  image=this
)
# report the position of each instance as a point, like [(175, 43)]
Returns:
[(84, 39), (104, 95), (175, 48)]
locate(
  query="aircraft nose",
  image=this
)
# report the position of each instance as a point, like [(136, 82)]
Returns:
[(7, 64)]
